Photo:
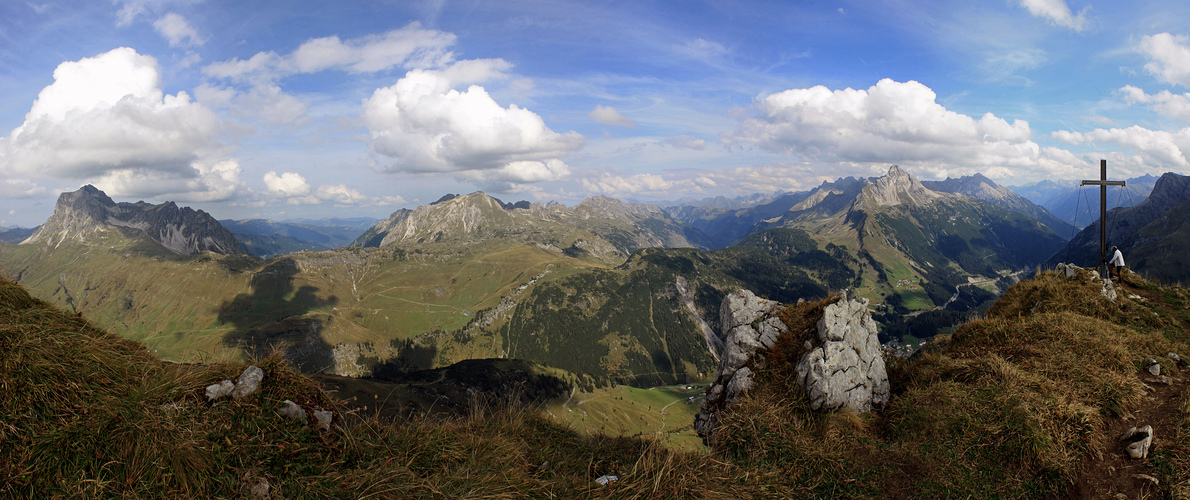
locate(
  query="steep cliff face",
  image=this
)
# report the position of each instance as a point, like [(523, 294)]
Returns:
[(79, 215), (898, 187)]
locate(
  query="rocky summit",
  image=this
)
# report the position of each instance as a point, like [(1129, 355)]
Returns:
[(80, 215), (841, 366)]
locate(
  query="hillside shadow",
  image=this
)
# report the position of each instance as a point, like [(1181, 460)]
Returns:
[(266, 319)]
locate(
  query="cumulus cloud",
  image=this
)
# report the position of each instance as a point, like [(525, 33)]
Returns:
[(1169, 57), (890, 122), (294, 188), (427, 126), (1157, 147), (1165, 103), (177, 31), (201, 182), (1057, 12), (108, 113), (410, 47), (608, 115), (287, 184)]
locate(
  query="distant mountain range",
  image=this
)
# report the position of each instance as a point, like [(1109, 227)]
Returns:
[(603, 227), (1154, 236), (606, 290), (14, 235), (266, 239), (1070, 202), (725, 225)]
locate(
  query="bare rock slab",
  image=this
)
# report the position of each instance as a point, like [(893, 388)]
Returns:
[(846, 368)]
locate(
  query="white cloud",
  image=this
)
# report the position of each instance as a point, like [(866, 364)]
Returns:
[(1057, 12), (294, 188), (1165, 103), (287, 184), (108, 113), (341, 195), (608, 115), (200, 182), (635, 184), (215, 97), (177, 31), (267, 101), (1169, 57), (889, 123), (409, 47), (426, 126), (20, 188), (1157, 147)]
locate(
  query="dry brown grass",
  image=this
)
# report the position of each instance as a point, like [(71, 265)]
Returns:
[(1009, 406)]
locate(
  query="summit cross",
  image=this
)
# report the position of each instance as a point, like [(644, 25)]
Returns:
[(1103, 183)]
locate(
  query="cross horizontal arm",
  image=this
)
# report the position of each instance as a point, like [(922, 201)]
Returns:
[(1102, 183)]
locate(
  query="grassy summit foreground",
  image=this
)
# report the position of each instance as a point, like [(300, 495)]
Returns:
[(1027, 402)]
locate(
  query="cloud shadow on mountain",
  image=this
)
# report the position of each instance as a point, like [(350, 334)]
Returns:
[(276, 315)]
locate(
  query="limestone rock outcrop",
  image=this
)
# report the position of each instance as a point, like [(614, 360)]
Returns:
[(737, 314), (845, 369), (842, 368)]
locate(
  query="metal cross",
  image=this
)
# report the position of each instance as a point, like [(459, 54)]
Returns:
[(1103, 183)]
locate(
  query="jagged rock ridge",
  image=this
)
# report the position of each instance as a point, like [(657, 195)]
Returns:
[(614, 226), (79, 215), (979, 187)]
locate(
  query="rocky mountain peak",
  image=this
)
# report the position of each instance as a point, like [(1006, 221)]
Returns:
[(898, 187), (1171, 189), (80, 214)]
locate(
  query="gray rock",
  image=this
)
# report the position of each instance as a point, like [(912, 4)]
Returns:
[(742, 381), (292, 411), (1155, 369), (742, 307), (1137, 441), (323, 417), (847, 370), (1070, 270), (1174, 357), (739, 311), (249, 382), (770, 329), (221, 390)]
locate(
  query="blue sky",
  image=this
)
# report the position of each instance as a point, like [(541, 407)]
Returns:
[(320, 109)]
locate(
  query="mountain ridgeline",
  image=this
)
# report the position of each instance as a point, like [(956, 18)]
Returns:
[(79, 215), (604, 227), (607, 291)]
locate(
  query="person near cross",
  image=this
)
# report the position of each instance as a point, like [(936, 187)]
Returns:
[(1116, 264)]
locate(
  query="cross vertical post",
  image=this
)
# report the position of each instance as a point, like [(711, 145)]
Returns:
[(1103, 183)]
